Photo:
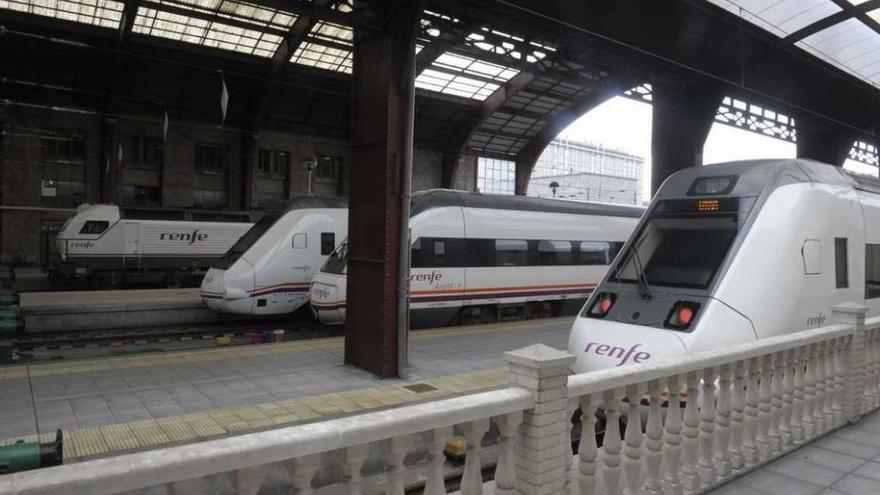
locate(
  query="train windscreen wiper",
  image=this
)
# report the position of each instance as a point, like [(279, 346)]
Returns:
[(641, 278)]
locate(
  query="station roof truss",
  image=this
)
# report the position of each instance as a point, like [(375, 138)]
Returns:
[(490, 84)]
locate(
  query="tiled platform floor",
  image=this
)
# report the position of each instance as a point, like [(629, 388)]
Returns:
[(132, 403), (845, 462)]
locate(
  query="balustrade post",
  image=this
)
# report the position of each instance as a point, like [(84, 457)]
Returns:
[(762, 439), (837, 358), (505, 474), (690, 476), (750, 424), (354, 461), (395, 453), (611, 445), (737, 414), (654, 439), (828, 403), (248, 480), (787, 371), (797, 403), (821, 395), (872, 354), (436, 443), (541, 454), (472, 479), (774, 433), (672, 439), (587, 448), (854, 362), (303, 471), (632, 450), (569, 467), (705, 464), (809, 391), (722, 421)]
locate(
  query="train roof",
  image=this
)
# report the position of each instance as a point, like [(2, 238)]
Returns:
[(754, 177), (437, 198), (303, 202)]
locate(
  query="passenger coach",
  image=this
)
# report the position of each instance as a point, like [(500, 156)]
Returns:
[(482, 257)]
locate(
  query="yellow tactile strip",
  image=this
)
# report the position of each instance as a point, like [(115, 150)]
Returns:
[(216, 354), (118, 438)]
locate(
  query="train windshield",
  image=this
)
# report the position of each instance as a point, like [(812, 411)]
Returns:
[(248, 239), (679, 248), (336, 262)]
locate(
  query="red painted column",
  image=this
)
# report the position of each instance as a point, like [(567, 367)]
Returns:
[(378, 118)]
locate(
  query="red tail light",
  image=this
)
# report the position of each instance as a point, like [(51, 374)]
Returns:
[(682, 314), (602, 305)]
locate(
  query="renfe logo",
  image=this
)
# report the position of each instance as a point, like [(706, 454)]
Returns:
[(183, 236), (426, 277), (618, 352), (321, 293)]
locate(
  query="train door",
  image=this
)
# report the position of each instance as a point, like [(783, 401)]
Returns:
[(131, 244)]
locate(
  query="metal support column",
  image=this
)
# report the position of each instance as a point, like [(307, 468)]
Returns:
[(822, 141), (382, 85), (682, 118)]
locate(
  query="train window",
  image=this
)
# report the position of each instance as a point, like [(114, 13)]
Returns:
[(841, 266), (594, 253), (872, 271), (434, 252), (511, 252), (299, 241), (480, 252), (328, 242), (811, 253), (680, 251), (555, 253), (337, 260), (94, 227), (614, 248)]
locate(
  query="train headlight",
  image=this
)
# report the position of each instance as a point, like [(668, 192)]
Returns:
[(682, 315), (602, 305)]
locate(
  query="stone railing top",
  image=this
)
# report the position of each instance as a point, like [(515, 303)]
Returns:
[(154, 467), (598, 381)]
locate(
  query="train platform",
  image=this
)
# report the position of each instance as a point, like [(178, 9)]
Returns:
[(102, 309), (124, 404)]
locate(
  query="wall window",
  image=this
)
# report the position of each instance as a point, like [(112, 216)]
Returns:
[(329, 168), (273, 164), (210, 159), (140, 195), (64, 149), (872, 271), (209, 198), (496, 176), (62, 194), (144, 152), (841, 265)]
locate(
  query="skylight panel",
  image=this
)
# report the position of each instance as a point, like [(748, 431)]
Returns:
[(103, 13), (850, 45), (460, 75), (262, 40), (780, 17), (329, 47)]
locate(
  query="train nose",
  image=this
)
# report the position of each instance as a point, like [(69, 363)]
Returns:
[(327, 304), (599, 344), (211, 289)]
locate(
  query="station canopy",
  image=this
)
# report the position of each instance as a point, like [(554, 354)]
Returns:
[(844, 33)]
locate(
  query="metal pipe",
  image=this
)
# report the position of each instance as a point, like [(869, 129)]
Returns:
[(405, 193)]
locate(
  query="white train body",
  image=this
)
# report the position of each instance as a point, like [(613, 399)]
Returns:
[(473, 252), (269, 270), (104, 238), (750, 249)]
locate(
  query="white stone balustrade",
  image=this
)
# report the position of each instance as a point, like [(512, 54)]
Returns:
[(677, 426)]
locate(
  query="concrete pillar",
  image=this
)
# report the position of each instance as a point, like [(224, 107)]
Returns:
[(378, 121), (682, 118), (855, 358), (542, 454), (823, 141)]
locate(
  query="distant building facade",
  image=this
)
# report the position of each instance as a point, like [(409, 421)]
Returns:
[(585, 172), (579, 172)]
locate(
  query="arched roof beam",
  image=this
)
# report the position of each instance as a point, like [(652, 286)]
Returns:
[(525, 160), (848, 12)]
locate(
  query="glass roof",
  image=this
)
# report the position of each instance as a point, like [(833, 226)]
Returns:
[(225, 24), (104, 13), (328, 46), (455, 74), (852, 44)]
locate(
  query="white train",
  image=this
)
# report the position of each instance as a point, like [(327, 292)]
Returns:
[(731, 253), (478, 257), (105, 239), (269, 270)]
